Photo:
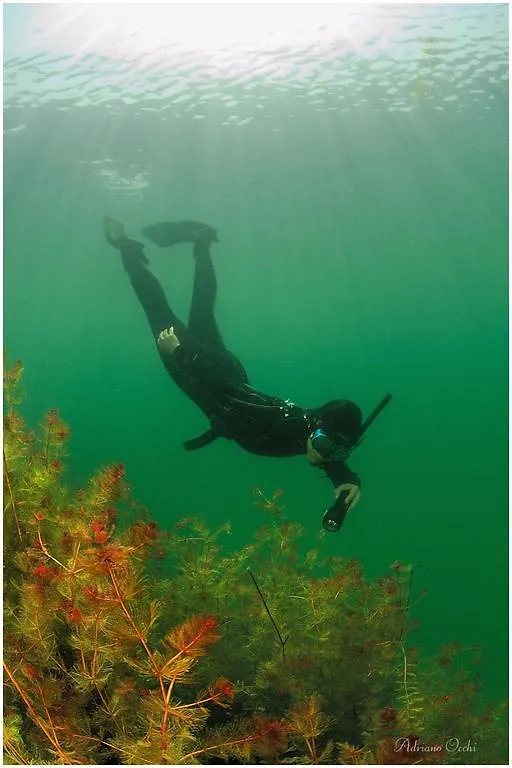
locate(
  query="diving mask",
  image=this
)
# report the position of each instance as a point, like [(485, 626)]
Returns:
[(331, 447)]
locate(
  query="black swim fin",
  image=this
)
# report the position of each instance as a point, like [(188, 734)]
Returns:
[(115, 233), (168, 233)]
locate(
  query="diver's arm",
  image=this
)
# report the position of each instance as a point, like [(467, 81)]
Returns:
[(184, 355), (347, 490), (179, 359), (340, 474), (186, 358)]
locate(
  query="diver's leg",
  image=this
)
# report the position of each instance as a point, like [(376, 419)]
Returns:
[(150, 294), (202, 323), (146, 286)]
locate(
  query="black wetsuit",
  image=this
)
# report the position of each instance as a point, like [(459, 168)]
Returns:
[(214, 378)]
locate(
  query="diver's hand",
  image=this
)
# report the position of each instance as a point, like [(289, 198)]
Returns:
[(167, 341), (353, 496)]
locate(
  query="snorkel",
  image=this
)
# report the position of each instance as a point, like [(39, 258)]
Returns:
[(333, 518)]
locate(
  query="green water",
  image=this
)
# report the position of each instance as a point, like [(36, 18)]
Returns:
[(355, 165)]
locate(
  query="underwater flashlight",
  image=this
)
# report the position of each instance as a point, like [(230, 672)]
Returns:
[(333, 518)]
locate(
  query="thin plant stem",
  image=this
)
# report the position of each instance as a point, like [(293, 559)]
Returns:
[(35, 717), (45, 550), (11, 496), (276, 628), (158, 673), (313, 750), (405, 682), (244, 740), (310, 750), (11, 751), (47, 445)]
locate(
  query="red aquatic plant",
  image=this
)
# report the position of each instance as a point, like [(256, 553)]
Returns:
[(80, 629), (388, 717)]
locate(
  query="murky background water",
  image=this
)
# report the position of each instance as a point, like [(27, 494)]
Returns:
[(354, 161)]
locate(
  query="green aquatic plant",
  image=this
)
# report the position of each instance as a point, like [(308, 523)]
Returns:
[(88, 679), (306, 633), (269, 655)]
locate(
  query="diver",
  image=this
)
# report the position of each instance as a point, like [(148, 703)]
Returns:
[(197, 360)]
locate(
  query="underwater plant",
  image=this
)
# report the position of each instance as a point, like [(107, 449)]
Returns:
[(311, 638), (267, 655), (87, 678)]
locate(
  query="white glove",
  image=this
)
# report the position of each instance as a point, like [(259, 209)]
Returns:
[(167, 341), (353, 497)]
